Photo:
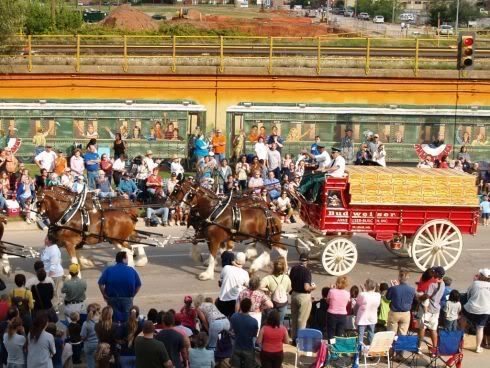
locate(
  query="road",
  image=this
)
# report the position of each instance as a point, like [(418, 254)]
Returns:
[(171, 273)]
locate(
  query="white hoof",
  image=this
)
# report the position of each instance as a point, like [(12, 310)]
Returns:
[(251, 253), (206, 276), (86, 263), (140, 261)]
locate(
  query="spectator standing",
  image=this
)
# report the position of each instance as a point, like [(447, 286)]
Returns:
[(485, 210), (224, 171), (189, 314), (477, 308), (12, 313), (201, 147), (92, 164), (14, 341), (260, 301), (273, 186), (242, 170), (125, 337), (347, 146), (452, 310), (380, 155), (51, 257), (39, 140), (76, 162), (278, 286), (233, 280), (219, 145), (314, 147), (274, 160), (118, 168), (318, 317), (11, 162), (401, 296), (41, 347), (89, 337), (74, 337), (245, 329), (150, 353), (106, 166), (34, 280), (176, 167), (212, 320), (46, 159), (119, 146), (60, 163), (302, 286), (106, 329), (338, 298), (261, 149), (22, 299), (373, 144), (149, 163), (43, 293), (200, 357), (271, 338), (368, 303), (384, 307), (25, 195), (275, 139), (119, 284), (173, 341), (74, 290)]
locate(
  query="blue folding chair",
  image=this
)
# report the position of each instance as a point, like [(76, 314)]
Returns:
[(406, 344), (308, 342), (449, 349), (344, 352)]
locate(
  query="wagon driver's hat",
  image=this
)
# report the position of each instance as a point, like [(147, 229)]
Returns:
[(336, 150), (320, 145)]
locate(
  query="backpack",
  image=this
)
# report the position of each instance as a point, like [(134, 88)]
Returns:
[(224, 346), (22, 303), (279, 296)]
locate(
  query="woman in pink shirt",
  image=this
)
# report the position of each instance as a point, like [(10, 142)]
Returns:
[(337, 300), (272, 336), (367, 310)]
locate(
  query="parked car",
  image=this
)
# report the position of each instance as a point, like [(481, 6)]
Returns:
[(349, 13), (407, 17), (445, 30), (378, 19), (363, 16)]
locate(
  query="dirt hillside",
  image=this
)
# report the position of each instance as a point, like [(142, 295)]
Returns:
[(130, 19)]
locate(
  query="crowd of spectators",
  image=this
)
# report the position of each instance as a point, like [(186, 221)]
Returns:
[(247, 323)]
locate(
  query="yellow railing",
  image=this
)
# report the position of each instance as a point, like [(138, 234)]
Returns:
[(320, 53)]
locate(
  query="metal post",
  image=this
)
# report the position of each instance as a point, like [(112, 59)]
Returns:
[(416, 65), (221, 56), (29, 52), (368, 56), (174, 61), (77, 61), (457, 17), (319, 55), (125, 48), (393, 12), (271, 46)]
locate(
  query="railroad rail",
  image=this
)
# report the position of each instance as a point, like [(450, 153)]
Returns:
[(320, 52)]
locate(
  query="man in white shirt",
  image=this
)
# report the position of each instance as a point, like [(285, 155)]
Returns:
[(51, 257), (232, 281), (46, 159), (149, 163), (176, 167), (118, 169), (323, 159), (274, 161), (337, 166)]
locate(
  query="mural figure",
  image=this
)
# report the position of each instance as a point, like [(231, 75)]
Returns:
[(295, 136), (92, 130), (136, 132), (253, 136), (399, 136), (238, 145), (480, 140), (157, 130)]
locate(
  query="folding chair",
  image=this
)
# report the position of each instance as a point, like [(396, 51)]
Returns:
[(343, 351), (380, 347), (450, 345), (408, 344), (308, 342)]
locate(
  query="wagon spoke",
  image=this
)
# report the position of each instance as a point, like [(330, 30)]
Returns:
[(417, 251), (446, 233), (455, 241), (426, 240), (449, 254), (444, 258), (428, 260)]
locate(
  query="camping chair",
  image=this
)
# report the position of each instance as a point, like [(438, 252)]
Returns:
[(380, 347), (450, 344), (410, 344), (308, 342), (343, 351)]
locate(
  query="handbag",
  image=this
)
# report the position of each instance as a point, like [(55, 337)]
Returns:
[(52, 316), (2, 285)]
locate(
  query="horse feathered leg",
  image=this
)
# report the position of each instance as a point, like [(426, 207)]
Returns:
[(261, 261), (209, 273)]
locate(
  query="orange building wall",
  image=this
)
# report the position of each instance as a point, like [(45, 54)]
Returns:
[(219, 92)]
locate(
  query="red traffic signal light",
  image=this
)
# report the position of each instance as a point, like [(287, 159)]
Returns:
[(466, 45)]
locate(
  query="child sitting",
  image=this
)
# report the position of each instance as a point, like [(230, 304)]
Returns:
[(452, 311)]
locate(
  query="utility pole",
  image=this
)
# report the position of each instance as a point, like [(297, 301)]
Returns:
[(457, 18), (393, 12), (53, 12)]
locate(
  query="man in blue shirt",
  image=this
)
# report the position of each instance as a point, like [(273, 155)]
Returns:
[(401, 297), (314, 147), (119, 284), (273, 186), (92, 161), (245, 328), (127, 187)]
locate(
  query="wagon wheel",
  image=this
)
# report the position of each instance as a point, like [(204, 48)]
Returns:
[(437, 243), (402, 253), (339, 256)]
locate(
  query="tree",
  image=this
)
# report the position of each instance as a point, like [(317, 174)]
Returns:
[(38, 18), (12, 18), (446, 11)]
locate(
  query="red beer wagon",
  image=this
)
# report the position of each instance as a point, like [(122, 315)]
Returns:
[(418, 213)]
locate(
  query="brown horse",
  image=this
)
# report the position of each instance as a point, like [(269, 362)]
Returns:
[(114, 225), (257, 222)]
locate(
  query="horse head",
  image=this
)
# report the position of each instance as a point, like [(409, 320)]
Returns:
[(182, 192), (52, 202)]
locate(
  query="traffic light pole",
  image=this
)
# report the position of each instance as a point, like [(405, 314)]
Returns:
[(457, 18)]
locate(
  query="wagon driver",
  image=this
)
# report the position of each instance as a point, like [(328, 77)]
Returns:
[(323, 158), (336, 168)]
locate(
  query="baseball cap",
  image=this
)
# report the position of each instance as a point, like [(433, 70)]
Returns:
[(149, 152), (484, 272), (304, 257), (240, 258), (439, 271), (74, 268), (188, 299)]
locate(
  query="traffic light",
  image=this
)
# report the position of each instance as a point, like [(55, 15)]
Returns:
[(466, 51)]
